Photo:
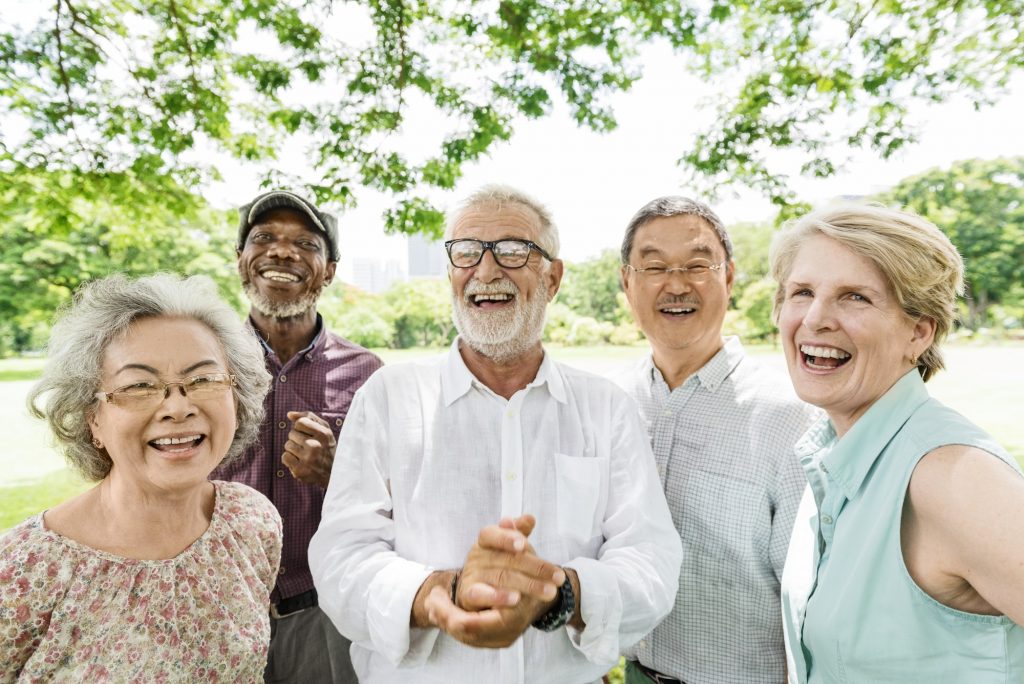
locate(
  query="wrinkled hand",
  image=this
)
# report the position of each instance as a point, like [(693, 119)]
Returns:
[(503, 588), (309, 451)]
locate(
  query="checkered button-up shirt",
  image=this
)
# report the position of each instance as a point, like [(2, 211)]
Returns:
[(322, 378), (723, 443)]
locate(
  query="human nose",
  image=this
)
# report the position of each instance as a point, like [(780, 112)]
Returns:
[(175, 404), (819, 315), (677, 280), (282, 249), (488, 269)]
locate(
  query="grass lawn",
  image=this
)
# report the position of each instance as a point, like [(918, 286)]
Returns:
[(21, 369), (22, 501), (982, 382)]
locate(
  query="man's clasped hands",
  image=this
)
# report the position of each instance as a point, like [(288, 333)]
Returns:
[(502, 589)]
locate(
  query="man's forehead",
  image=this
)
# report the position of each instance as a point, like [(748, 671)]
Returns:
[(671, 233), (507, 219)]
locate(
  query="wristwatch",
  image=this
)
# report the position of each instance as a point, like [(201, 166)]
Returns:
[(561, 612)]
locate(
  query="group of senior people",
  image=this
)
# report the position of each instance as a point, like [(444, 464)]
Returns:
[(494, 514)]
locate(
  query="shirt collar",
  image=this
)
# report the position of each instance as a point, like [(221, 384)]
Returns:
[(316, 346), (457, 380), (850, 461), (713, 373)]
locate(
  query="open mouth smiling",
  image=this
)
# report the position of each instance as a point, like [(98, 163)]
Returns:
[(823, 358), (177, 444), (490, 299), (677, 310), (279, 276)]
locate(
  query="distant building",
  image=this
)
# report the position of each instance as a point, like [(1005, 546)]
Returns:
[(426, 257), (375, 275)]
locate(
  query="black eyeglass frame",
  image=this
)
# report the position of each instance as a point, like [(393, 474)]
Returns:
[(489, 245)]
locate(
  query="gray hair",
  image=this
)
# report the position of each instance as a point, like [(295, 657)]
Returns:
[(498, 195), (673, 205), (104, 310)]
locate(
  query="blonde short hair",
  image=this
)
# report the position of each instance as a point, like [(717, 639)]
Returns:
[(922, 267)]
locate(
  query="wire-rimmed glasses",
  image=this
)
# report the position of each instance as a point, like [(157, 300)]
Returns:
[(148, 394), (696, 271)]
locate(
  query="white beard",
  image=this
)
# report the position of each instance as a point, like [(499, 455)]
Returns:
[(271, 309), (507, 333)]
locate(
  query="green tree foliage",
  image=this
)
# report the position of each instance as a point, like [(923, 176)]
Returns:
[(752, 319), (979, 204), (421, 313), (591, 287), (753, 289), (750, 243), (60, 229), (113, 85)]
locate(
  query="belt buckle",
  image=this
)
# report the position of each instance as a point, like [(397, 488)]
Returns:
[(277, 616)]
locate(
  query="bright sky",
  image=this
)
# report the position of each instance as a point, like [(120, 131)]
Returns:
[(593, 183)]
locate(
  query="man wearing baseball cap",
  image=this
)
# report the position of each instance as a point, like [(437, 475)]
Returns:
[(287, 254)]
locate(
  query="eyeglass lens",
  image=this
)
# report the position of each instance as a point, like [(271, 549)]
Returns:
[(199, 387), (508, 253)]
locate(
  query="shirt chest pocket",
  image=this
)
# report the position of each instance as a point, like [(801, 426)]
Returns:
[(581, 492)]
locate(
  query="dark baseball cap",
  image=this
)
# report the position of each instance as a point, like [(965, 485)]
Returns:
[(284, 199)]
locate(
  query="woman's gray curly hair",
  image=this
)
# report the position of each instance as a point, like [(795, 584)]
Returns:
[(104, 310)]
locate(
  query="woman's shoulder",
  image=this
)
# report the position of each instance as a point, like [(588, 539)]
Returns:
[(253, 524), (34, 564), (935, 426), (239, 504), (28, 539)]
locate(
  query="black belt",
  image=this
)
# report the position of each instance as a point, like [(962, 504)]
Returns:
[(293, 604), (656, 676)]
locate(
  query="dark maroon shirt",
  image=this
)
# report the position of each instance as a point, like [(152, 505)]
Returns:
[(321, 378)]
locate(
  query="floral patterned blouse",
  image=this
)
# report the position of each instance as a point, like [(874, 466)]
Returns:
[(71, 613)]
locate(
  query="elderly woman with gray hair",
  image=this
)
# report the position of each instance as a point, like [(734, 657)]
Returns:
[(156, 573), (906, 562)]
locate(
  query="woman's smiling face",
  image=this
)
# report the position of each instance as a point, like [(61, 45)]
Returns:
[(846, 338), (176, 442)]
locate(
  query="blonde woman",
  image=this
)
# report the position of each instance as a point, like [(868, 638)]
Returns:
[(907, 557)]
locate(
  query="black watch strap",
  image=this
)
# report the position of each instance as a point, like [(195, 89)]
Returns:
[(561, 612)]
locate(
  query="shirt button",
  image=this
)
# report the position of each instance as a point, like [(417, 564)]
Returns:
[(666, 412), (284, 378), (309, 357), (510, 476), (282, 425), (339, 421), (827, 519), (280, 473), (281, 570)]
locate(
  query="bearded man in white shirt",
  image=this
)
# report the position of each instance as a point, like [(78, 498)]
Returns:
[(491, 513)]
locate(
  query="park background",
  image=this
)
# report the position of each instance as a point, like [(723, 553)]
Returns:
[(129, 131)]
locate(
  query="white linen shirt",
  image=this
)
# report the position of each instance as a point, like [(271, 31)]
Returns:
[(428, 456)]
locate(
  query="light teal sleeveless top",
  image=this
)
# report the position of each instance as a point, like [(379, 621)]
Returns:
[(852, 613)]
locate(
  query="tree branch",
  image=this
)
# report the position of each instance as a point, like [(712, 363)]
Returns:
[(65, 81)]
